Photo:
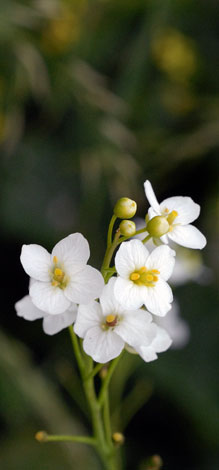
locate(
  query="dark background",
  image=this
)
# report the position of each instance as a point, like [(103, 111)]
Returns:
[(95, 98)]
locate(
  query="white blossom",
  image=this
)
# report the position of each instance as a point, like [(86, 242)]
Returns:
[(160, 343), (142, 277), (52, 324), (107, 327), (175, 326), (63, 276), (179, 211)]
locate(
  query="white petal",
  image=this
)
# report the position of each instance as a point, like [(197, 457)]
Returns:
[(150, 195), (88, 316), (85, 286), (48, 298), (187, 209), (176, 326), (158, 299), (164, 239), (147, 353), (135, 330), (160, 343), (128, 294), (108, 301), (162, 258), (151, 213), (130, 257), (36, 261), (74, 248), (102, 346), (162, 340), (52, 324), (188, 236), (26, 309)]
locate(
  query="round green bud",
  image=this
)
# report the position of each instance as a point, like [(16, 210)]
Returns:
[(127, 228), (158, 226), (125, 208)]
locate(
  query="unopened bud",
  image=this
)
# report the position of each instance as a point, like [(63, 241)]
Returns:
[(127, 228), (154, 463), (41, 436), (125, 208), (118, 438), (158, 226)]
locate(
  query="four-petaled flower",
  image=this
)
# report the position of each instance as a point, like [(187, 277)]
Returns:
[(179, 211), (142, 277), (107, 327), (52, 324), (62, 277)]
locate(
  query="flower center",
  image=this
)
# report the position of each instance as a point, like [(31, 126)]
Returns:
[(170, 217), (59, 278), (145, 277), (111, 320)]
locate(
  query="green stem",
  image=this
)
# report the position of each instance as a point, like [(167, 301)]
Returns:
[(106, 381), (104, 447), (110, 230), (106, 418), (146, 239), (83, 439), (95, 371), (108, 255), (77, 350), (123, 239)]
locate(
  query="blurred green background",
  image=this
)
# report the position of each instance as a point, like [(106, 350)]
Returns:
[(96, 97)]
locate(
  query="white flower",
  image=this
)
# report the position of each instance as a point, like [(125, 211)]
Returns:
[(106, 326), (160, 343), (142, 277), (189, 264), (62, 277), (180, 212), (175, 325), (52, 324)]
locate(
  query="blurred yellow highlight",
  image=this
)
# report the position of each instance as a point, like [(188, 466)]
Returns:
[(175, 54)]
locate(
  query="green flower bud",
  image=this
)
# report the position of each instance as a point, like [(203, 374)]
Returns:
[(125, 208), (158, 226), (127, 228)]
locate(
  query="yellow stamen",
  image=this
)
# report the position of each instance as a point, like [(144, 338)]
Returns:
[(58, 272), (149, 277), (55, 259), (142, 270), (145, 277), (110, 318), (171, 217), (134, 276), (166, 210), (55, 283)]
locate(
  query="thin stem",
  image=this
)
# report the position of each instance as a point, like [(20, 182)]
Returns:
[(146, 239), (110, 230), (106, 418), (95, 371), (83, 439), (107, 379), (108, 255), (123, 239), (77, 350)]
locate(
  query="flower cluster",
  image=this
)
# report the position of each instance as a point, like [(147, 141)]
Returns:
[(120, 313)]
